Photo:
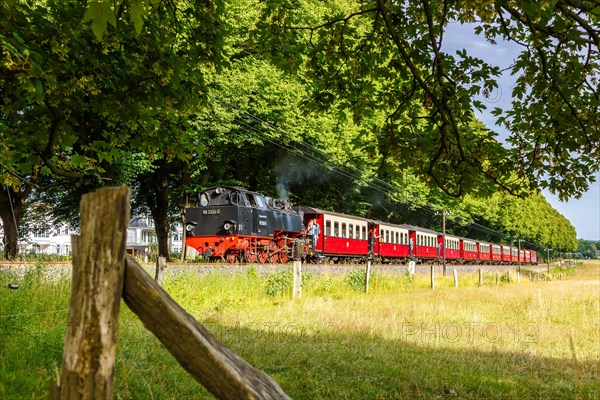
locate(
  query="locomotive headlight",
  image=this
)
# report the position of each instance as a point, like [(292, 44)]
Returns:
[(189, 226), (229, 227)]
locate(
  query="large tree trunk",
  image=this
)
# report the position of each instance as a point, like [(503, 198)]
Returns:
[(11, 211), (156, 191), (186, 181)]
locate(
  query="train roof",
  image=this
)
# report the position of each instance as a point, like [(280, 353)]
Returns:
[(312, 210)]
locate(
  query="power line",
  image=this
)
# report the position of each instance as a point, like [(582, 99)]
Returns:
[(375, 183)]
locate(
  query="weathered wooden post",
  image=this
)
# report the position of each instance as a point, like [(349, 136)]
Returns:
[(160, 270), (518, 277), (496, 277), (98, 267), (432, 277), (297, 278), (455, 278), (508, 276), (480, 277), (367, 276)]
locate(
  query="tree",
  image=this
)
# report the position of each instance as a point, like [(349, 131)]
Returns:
[(75, 99), (375, 55)]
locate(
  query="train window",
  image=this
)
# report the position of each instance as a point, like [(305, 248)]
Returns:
[(327, 227), (364, 233), (350, 231), (336, 229), (260, 201), (234, 198), (344, 232), (204, 199)]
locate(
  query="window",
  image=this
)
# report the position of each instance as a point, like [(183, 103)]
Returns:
[(41, 232), (148, 237), (327, 227), (350, 231), (260, 202), (364, 232), (344, 231), (336, 229)]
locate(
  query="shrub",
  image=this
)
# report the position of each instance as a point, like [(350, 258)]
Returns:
[(280, 282), (356, 279)]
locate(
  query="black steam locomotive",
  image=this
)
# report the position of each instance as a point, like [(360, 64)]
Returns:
[(234, 224)]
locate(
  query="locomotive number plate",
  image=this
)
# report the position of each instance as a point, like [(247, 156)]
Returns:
[(213, 211)]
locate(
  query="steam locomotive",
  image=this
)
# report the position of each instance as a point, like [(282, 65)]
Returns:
[(237, 225)]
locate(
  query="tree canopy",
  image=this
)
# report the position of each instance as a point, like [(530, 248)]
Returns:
[(344, 105), (388, 56)]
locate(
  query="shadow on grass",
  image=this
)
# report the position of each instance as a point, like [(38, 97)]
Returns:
[(317, 362), (322, 364)]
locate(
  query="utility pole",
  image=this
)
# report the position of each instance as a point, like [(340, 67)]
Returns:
[(444, 241), (519, 270)]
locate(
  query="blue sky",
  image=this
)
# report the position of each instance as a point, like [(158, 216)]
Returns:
[(583, 213)]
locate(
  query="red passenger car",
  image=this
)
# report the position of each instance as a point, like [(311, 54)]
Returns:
[(534, 259), (485, 252), (506, 254), (451, 248), (469, 251), (423, 243), (392, 242), (341, 236), (496, 253)]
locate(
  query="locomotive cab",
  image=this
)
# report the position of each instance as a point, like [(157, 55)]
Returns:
[(228, 220)]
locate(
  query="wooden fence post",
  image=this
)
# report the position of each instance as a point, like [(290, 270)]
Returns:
[(455, 278), (160, 270), (432, 277), (297, 278), (91, 337), (480, 277), (367, 276)]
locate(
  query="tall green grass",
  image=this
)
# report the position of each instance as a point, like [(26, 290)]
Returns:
[(402, 340)]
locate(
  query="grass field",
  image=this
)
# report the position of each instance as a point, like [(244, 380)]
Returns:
[(402, 340)]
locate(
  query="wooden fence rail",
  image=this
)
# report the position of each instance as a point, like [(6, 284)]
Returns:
[(101, 276), (221, 371)]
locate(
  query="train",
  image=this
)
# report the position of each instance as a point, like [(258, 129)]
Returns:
[(232, 224)]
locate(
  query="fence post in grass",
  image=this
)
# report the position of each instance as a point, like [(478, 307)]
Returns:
[(480, 277), (518, 277), (160, 270), (367, 276), (496, 277), (432, 277), (297, 278), (97, 283), (455, 278), (508, 276)]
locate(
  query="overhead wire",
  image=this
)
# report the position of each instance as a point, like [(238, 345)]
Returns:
[(375, 183)]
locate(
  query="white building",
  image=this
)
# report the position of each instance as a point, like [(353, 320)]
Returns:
[(56, 239)]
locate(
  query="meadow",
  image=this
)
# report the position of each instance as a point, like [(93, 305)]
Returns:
[(401, 340)]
